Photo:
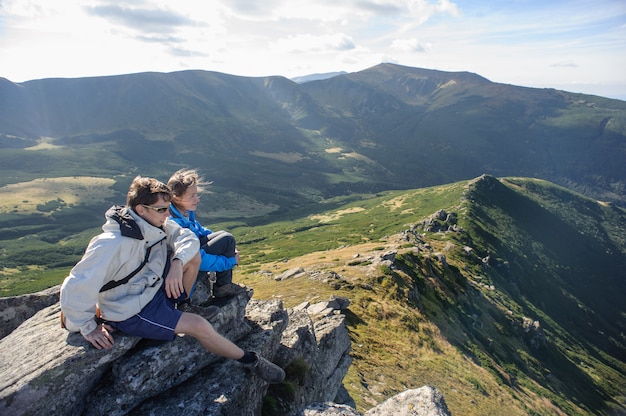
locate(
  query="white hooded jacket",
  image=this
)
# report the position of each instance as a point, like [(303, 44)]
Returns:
[(113, 255)]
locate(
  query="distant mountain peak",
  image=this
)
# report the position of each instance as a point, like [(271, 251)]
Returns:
[(316, 77)]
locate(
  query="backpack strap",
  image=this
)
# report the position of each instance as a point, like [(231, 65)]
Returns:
[(115, 283)]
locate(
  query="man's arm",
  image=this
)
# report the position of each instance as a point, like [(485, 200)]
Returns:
[(181, 241), (174, 279), (79, 291), (185, 246)]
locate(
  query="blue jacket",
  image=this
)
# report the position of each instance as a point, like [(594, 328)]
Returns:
[(210, 262)]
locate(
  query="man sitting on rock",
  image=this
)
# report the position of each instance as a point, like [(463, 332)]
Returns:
[(134, 273)]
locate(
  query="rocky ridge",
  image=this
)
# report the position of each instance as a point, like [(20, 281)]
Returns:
[(45, 369)]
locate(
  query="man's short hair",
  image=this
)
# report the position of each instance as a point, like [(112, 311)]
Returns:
[(146, 191)]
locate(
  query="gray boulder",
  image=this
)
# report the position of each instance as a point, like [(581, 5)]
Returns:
[(425, 401), (16, 309), (47, 370)]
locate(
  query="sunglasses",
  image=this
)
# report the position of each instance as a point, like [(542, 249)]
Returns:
[(159, 210)]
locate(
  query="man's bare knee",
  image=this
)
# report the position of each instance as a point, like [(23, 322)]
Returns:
[(194, 325), (194, 263), (190, 272)]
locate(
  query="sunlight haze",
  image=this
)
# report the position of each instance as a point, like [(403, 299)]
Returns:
[(577, 46)]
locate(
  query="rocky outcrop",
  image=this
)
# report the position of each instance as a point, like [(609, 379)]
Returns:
[(16, 309), (47, 370), (425, 401)]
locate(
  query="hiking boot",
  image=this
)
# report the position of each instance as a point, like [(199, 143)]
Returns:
[(266, 370), (229, 289)]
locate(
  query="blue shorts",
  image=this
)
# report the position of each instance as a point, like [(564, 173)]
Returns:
[(157, 320)]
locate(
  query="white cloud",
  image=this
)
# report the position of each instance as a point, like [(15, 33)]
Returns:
[(151, 20), (533, 43), (410, 45), (313, 43)]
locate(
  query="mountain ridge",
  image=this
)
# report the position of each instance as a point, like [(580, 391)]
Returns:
[(316, 77), (503, 293), (387, 127), (539, 314)]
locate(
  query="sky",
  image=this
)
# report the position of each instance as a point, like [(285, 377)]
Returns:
[(571, 45)]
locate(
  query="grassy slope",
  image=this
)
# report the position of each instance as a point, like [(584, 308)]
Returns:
[(518, 332), (464, 325)]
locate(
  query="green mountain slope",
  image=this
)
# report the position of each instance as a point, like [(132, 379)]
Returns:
[(287, 145), (275, 149), (459, 125), (509, 297), (503, 293)]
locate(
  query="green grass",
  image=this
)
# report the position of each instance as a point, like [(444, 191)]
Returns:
[(466, 325), (31, 280), (466, 311)]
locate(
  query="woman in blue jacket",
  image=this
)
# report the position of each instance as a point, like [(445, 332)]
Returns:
[(218, 249)]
